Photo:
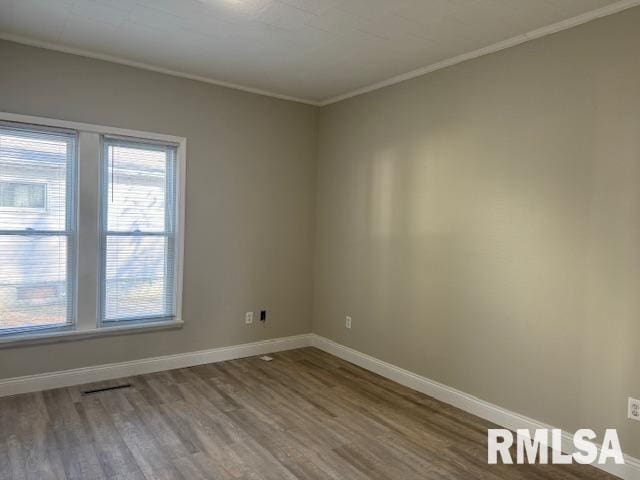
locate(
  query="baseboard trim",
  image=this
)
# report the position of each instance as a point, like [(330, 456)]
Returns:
[(77, 376), (493, 413)]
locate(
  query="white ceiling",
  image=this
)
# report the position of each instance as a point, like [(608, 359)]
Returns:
[(313, 50)]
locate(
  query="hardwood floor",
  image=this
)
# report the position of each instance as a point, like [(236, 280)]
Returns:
[(305, 415)]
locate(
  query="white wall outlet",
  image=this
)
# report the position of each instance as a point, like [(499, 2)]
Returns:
[(633, 411), (248, 317), (347, 322)]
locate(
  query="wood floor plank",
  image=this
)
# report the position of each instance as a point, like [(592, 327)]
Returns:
[(71, 440), (152, 459), (304, 416), (114, 456)]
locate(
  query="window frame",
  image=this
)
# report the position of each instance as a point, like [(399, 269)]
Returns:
[(169, 231), (70, 231), (85, 253)]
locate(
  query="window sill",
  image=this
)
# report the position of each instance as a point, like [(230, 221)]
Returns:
[(24, 339)]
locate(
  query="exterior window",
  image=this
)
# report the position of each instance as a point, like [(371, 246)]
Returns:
[(23, 195), (36, 242), (138, 230), (115, 266)]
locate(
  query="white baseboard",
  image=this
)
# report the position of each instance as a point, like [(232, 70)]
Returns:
[(78, 376), (493, 413)]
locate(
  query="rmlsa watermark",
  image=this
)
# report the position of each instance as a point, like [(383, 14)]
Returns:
[(533, 448)]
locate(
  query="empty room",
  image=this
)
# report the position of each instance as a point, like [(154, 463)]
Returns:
[(319, 239)]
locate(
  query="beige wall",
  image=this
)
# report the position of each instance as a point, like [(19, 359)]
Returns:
[(481, 224), (249, 206)]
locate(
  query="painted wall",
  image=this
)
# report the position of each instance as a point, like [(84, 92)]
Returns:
[(481, 224), (251, 177)]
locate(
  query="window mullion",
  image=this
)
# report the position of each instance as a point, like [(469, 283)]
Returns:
[(89, 151)]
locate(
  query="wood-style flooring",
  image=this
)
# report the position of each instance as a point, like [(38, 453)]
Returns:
[(305, 415)]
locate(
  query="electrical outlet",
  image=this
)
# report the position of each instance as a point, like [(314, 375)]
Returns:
[(347, 322), (248, 317), (633, 411)]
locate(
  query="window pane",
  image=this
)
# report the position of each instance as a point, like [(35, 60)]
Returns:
[(33, 281), (33, 179), (138, 277), (137, 230), (35, 227), (136, 188)]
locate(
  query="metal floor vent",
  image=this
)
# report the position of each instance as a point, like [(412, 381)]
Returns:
[(105, 389)]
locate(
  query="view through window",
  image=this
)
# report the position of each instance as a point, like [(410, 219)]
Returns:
[(36, 227), (138, 230)]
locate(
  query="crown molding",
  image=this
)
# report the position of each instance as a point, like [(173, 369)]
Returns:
[(496, 47), (145, 66)]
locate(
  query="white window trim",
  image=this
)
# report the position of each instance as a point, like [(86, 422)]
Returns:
[(86, 306)]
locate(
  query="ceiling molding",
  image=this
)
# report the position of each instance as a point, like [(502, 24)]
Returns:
[(145, 66), (496, 47)]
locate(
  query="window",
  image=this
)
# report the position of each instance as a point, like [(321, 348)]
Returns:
[(36, 244), (125, 244), (138, 218), (23, 195)]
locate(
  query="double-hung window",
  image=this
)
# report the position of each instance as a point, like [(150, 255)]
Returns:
[(37, 228), (138, 230), (90, 229)]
